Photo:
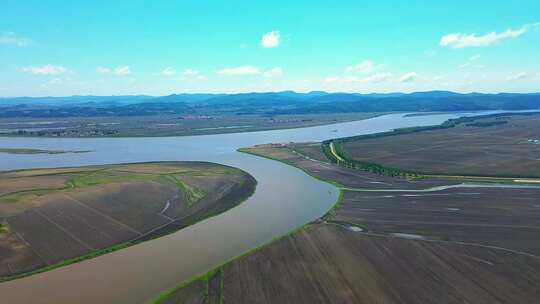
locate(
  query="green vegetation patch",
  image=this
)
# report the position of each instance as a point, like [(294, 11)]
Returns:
[(100, 177), (3, 228), (191, 194), (79, 179), (349, 162), (17, 197)]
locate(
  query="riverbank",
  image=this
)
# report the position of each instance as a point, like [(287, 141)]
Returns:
[(323, 261), (56, 217), (166, 125)]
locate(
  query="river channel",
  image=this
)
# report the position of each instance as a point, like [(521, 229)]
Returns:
[(285, 198)]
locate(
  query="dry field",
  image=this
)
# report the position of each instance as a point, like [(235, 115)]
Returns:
[(49, 216), (477, 148), (507, 218), (330, 264), (326, 263), (460, 245)]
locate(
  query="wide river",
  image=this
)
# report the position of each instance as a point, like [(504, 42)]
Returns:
[(285, 199)]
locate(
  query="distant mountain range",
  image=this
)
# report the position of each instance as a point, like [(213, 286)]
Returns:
[(271, 103)]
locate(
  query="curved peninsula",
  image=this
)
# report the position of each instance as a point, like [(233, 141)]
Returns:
[(54, 217)]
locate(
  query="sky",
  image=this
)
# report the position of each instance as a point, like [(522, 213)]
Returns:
[(60, 48)]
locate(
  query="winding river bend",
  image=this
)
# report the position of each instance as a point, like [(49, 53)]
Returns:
[(285, 199)]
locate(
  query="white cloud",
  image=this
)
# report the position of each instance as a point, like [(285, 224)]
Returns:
[(462, 40), (12, 39), (251, 70), (518, 76), (408, 77), (351, 79), (474, 57), (103, 70), (168, 71), (274, 72), (47, 69), (377, 78), (190, 72), (240, 71), (331, 79), (122, 70), (364, 67), (271, 39)]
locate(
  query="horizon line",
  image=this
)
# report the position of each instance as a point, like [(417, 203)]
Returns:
[(276, 92)]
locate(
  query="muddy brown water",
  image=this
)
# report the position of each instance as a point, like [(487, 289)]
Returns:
[(285, 198)]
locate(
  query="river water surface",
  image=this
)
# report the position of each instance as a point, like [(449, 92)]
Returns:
[(285, 198)]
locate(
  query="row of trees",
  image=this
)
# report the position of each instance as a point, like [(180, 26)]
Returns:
[(348, 162)]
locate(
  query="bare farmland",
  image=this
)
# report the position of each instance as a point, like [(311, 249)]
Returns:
[(458, 245), (50, 216), (479, 148)]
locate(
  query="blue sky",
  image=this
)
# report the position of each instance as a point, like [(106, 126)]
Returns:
[(161, 47)]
